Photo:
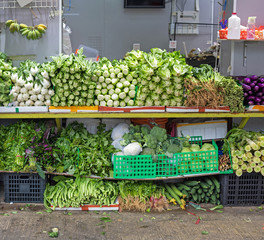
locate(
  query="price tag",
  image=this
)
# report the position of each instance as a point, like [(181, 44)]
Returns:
[(173, 44)]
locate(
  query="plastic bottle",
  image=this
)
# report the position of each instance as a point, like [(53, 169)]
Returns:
[(233, 27), (251, 27)]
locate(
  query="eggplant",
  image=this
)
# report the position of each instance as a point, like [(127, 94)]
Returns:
[(251, 98), (253, 77), (262, 103), (240, 78), (261, 80), (261, 85), (252, 85), (256, 88), (257, 103), (246, 87), (250, 92), (247, 80), (251, 103), (257, 99), (259, 94), (246, 94)]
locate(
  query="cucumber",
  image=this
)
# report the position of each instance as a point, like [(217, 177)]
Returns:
[(208, 181), (183, 186), (197, 186), (174, 195), (213, 198), (200, 191), (203, 195), (191, 183), (218, 195), (218, 190), (176, 190), (195, 197), (185, 193), (199, 198), (168, 196), (193, 191), (204, 185), (218, 202), (216, 183)]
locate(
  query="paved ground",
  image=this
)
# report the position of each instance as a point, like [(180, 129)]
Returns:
[(32, 222)]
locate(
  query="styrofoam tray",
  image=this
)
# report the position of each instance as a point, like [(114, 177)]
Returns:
[(197, 109), (89, 207), (132, 109), (256, 108), (73, 109), (32, 109)]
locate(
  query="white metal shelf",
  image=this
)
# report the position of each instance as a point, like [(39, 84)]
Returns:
[(7, 4)]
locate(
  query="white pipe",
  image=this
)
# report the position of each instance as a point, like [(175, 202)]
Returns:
[(212, 22), (234, 6), (60, 26)]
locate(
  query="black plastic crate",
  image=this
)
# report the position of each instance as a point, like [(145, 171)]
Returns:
[(247, 190), (23, 188)]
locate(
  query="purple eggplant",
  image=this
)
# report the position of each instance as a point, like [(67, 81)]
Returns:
[(256, 88), (259, 94), (253, 77), (262, 97), (250, 93), (247, 80), (258, 103), (250, 98), (262, 103), (240, 78), (246, 87), (245, 94), (261, 85), (251, 103), (257, 99), (252, 85), (261, 80)]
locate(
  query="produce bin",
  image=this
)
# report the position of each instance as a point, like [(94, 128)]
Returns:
[(147, 166), (23, 188), (247, 190)]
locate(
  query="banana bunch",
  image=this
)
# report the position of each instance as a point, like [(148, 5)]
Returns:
[(33, 33), (30, 32), (13, 25)]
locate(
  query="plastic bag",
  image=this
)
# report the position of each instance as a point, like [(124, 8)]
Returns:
[(119, 131), (117, 145)]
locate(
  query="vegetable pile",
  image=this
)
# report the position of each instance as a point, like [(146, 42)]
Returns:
[(208, 88), (161, 77), (115, 84), (205, 191), (79, 152), (32, 86), (70, 75), (141, 196), (6, 69), (253, 87), (69, 192), (247, 150)]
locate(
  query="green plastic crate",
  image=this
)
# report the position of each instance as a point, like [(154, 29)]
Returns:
[(146, 166), (190, 163), (134, 167)]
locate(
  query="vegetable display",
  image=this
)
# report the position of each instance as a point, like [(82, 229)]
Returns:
[(205, 191), (253, 87), (115, 84), (6, 70), (70, 75), (31, 85), (247, 150), (161, 77), (69, 192)]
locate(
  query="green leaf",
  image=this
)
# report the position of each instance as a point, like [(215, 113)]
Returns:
[(148, 210), (106, 219), (40, 171), (219, 211), (141, 219), (103, 233), (48, 211), (204, 232), (15, 212), (38, 212), (69, 213)]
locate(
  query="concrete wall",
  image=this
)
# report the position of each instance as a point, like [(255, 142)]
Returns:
[(107, 26)]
